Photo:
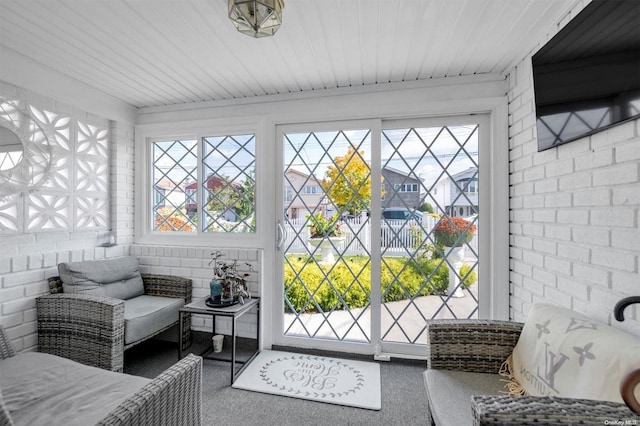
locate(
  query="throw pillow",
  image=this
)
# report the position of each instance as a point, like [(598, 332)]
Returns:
[(119, 278), (563, 353)]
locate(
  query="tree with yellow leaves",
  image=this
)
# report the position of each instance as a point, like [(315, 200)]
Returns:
[(348, 182)]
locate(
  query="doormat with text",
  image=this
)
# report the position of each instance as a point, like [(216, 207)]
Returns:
[(316, 378)]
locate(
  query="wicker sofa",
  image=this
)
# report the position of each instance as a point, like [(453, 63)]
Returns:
[(43, 389), (96, 326), (464, 387)]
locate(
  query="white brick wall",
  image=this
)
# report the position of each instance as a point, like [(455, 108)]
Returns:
[(575, 215), (193, 262), (27, 260)]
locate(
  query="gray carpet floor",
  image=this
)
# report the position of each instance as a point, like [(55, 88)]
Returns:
[(403, 394)]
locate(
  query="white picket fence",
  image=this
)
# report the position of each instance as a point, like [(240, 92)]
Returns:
[(397, 237)]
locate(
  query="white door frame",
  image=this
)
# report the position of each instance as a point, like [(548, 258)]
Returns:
[(493, 245), (278, 307)]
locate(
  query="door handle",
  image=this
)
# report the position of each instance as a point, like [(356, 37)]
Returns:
[(281, 235)]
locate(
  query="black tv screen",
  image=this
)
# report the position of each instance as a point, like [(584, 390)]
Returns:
[(587, 77)]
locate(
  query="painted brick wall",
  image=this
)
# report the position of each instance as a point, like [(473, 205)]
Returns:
[(27, 260), (193, 262), (574, 215)]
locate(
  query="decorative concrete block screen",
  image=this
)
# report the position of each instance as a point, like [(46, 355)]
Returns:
[(69, 187)]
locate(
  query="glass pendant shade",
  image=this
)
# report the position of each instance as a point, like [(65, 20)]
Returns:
[(257, 18)]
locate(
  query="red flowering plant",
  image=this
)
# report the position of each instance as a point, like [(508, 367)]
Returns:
[(453, 231)]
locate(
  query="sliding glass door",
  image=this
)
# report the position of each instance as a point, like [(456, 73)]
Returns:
[(378, 231)]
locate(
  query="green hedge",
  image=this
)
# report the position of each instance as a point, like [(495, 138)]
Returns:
[(335, 286)]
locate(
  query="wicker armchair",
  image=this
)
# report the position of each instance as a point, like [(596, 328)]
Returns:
[(172, 398), (482, 346), (90, 329)]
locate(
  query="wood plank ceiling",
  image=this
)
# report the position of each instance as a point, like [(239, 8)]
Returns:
[(151, 53)]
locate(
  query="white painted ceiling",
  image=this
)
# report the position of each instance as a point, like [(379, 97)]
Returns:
[(151, 53)]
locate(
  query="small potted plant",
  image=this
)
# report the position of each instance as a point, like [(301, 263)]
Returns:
[(325, 233), (228, 284), (323, 227), (453, 231)]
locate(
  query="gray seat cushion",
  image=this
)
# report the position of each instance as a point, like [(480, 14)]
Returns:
[(119, 278), (449, 394), (44, 389), (146, 315)]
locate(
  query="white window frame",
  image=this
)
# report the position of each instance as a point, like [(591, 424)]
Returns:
[(145, 136)]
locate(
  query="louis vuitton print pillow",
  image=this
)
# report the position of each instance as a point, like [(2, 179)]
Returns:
[(565, 354)]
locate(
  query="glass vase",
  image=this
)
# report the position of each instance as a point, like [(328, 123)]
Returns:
[(216, 291)]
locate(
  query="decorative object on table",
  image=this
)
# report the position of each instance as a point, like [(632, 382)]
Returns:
[(215, 290), (453, 233), (233, 282), (219, 304), (325, 233), (316, 378)]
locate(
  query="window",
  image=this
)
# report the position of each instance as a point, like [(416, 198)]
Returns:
[(288, 194), (406, 187), (230, 189), (225, 182), (174, 166), (312, 189), (158, 197)]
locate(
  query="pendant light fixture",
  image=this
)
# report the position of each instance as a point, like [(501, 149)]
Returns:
[(257, 18)]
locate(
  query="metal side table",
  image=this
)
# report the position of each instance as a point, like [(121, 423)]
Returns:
[(236, 311)]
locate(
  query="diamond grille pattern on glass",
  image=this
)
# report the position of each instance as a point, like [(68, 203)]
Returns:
[(327, 179), (174, 168), (426, 170), (430, 178), (229, 187), (226, 185)]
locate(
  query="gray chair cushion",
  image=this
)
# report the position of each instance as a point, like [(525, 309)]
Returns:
[(449, 394), (119, 278), (146, 315), (42, 389)]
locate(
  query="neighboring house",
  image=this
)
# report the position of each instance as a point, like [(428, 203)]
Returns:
[(167, 194), (457, 195), (400, 189), (213, 184), (159, 196), (302, 194)]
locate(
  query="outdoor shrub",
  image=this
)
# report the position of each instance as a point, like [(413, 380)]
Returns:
[(172, 224), (436, 274), (401, 279), (335, 286), (469, 275), (344, 279)]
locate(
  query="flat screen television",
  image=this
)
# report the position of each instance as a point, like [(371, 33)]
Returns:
[(587, 77)]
